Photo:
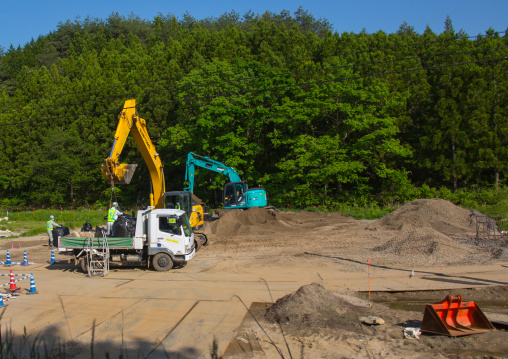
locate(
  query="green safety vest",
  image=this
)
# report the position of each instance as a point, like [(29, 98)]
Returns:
[(111, 214), (178, 206), (48, 226)]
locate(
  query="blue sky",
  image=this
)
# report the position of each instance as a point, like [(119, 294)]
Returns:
[(23, 20)]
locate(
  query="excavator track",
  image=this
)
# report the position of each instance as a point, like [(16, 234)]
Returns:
[(201, 240)]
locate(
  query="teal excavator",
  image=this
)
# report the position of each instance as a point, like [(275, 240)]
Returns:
[(236, 193)]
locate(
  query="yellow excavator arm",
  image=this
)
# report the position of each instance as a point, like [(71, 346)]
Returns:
[(121, 173)]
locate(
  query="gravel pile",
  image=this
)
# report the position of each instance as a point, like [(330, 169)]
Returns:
[(441, 215), (422, 246), (433, 232)]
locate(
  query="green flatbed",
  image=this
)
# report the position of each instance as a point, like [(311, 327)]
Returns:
[(79, 243)]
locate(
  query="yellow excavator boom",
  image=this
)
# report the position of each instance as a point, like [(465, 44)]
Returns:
[(121, 173)]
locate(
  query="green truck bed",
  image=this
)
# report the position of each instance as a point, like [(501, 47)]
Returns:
[(113, 242)]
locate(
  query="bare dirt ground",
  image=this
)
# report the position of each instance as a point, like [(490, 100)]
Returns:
[(262, 256), (421, 233)]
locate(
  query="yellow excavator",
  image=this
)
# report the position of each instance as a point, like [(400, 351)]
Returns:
[(121, 173)]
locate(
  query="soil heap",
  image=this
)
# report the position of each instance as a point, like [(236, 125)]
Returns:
[(433, 232), (311, 306), (438, 214), (421, 233), (239, 222)]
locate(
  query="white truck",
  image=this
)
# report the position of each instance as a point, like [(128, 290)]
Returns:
[(163, 238)]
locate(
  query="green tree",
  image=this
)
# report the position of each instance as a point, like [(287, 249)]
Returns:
[(62, 168)]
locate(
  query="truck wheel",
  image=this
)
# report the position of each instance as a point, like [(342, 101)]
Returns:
[(162, 262)]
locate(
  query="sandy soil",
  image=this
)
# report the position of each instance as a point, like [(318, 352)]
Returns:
[(309, 248), (340, 334), (421, 233)]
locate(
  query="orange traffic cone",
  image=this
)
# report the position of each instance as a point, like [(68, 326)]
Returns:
[(13, 288)]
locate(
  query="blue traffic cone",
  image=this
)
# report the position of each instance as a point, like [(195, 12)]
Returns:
[(8, 261), (25, 259), (52, 256), (33, 290), (2, 301)]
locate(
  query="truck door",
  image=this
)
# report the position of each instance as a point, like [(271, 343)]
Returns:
[(169, 233)]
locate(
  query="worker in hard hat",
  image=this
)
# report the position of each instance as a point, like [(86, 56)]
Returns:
[(113, 214), (49, 229)]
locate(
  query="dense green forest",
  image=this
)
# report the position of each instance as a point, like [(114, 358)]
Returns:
[(314, 116)]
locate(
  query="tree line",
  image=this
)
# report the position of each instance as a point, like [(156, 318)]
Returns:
[(314, 116)]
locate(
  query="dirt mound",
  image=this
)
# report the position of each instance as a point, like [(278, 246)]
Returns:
[(311, 306), (433, 232), (426, 246), (250, 221), (440, 215)]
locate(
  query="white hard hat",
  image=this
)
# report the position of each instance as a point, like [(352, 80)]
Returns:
[(115, 204), (51, 217)]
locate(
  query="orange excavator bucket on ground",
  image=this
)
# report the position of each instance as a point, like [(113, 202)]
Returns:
[(454, 318)]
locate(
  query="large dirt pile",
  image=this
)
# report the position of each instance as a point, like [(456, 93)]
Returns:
[(432, 232), (248, 222), (311, 306), (438, 214)]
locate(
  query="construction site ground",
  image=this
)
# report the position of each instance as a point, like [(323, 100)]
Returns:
[(418, 254)]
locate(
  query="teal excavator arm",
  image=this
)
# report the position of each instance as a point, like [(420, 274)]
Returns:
[(194, 160), (236, 193)]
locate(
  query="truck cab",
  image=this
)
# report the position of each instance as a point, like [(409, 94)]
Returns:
[(168, 236)]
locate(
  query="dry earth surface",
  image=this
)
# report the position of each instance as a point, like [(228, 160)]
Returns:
[(304, 277)]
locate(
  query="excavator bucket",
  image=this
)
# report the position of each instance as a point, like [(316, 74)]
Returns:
[(453, 317), (118, 174)]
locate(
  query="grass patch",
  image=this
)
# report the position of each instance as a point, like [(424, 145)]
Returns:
[(33, 232), (367, 213), (355, 212), (33, 223)]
